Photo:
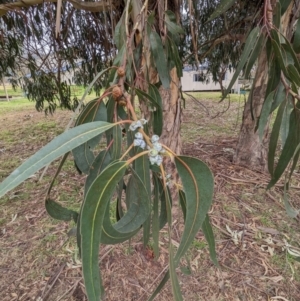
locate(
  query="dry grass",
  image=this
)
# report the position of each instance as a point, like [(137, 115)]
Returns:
[(38, 261)]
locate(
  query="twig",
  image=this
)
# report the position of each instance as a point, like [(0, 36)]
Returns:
[(45, 297), (196, 100), (141, 298), (72, 289)]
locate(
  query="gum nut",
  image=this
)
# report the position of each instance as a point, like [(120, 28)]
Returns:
[(153, 152), (157, 146), (138, 135), (121, 71), (154, 138), (116, 92)]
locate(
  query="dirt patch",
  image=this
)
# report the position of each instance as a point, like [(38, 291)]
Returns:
[(38, 261)]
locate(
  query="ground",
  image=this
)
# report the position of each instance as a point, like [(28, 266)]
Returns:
[(254, 236)]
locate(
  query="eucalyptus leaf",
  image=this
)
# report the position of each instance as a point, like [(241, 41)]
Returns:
[(159, 57), (53, 150)]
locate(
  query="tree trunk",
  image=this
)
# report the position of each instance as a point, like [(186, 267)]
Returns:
[(250, 151), (172, 114)]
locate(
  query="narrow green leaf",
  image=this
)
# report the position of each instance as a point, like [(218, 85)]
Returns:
[(119, 34), (59, 212), (136, 215), (296, 42), (209, 236), (284, 5), (139, 209), (117, 144), (174, 280), (250, 42), (292, 141), (143, 95), (182, 202), (102, 160), (155, 221), (264, 115), (83, 155), (198, 184), (294, 74), (277, 15), (223, 6), (141, 167), (274, 138), (158, 111), (56, 148), (92, 217), (159, 57), (292, 57), (172, 26), (260, 43), (279, 97), (284, 129)]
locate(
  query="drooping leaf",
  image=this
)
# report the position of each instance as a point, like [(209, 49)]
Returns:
[(172, 26), (284, 129), (117, 143), (91, 222), (142, 168), (251, 41), (158, 113), (206, 229), (292, 141), (274, 138), (59, 212), (155, 221), (260, 42), (284, 5), (102, 160), (223, 6), (294, 74), (279, 97), (277, 15), (209, 236), (56, 148), (177, 296), (159, 57), (143, 95), (296, 42), (198, 185), (83, 155), (264, 115)]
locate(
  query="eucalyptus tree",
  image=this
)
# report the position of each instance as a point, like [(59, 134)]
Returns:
[(143, 64), (143, 41)]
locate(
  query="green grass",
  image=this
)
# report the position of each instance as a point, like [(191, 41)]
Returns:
[(214, 96)]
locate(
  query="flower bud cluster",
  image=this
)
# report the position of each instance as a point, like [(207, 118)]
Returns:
[(139, 140), (137, 124), (156, 151)]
